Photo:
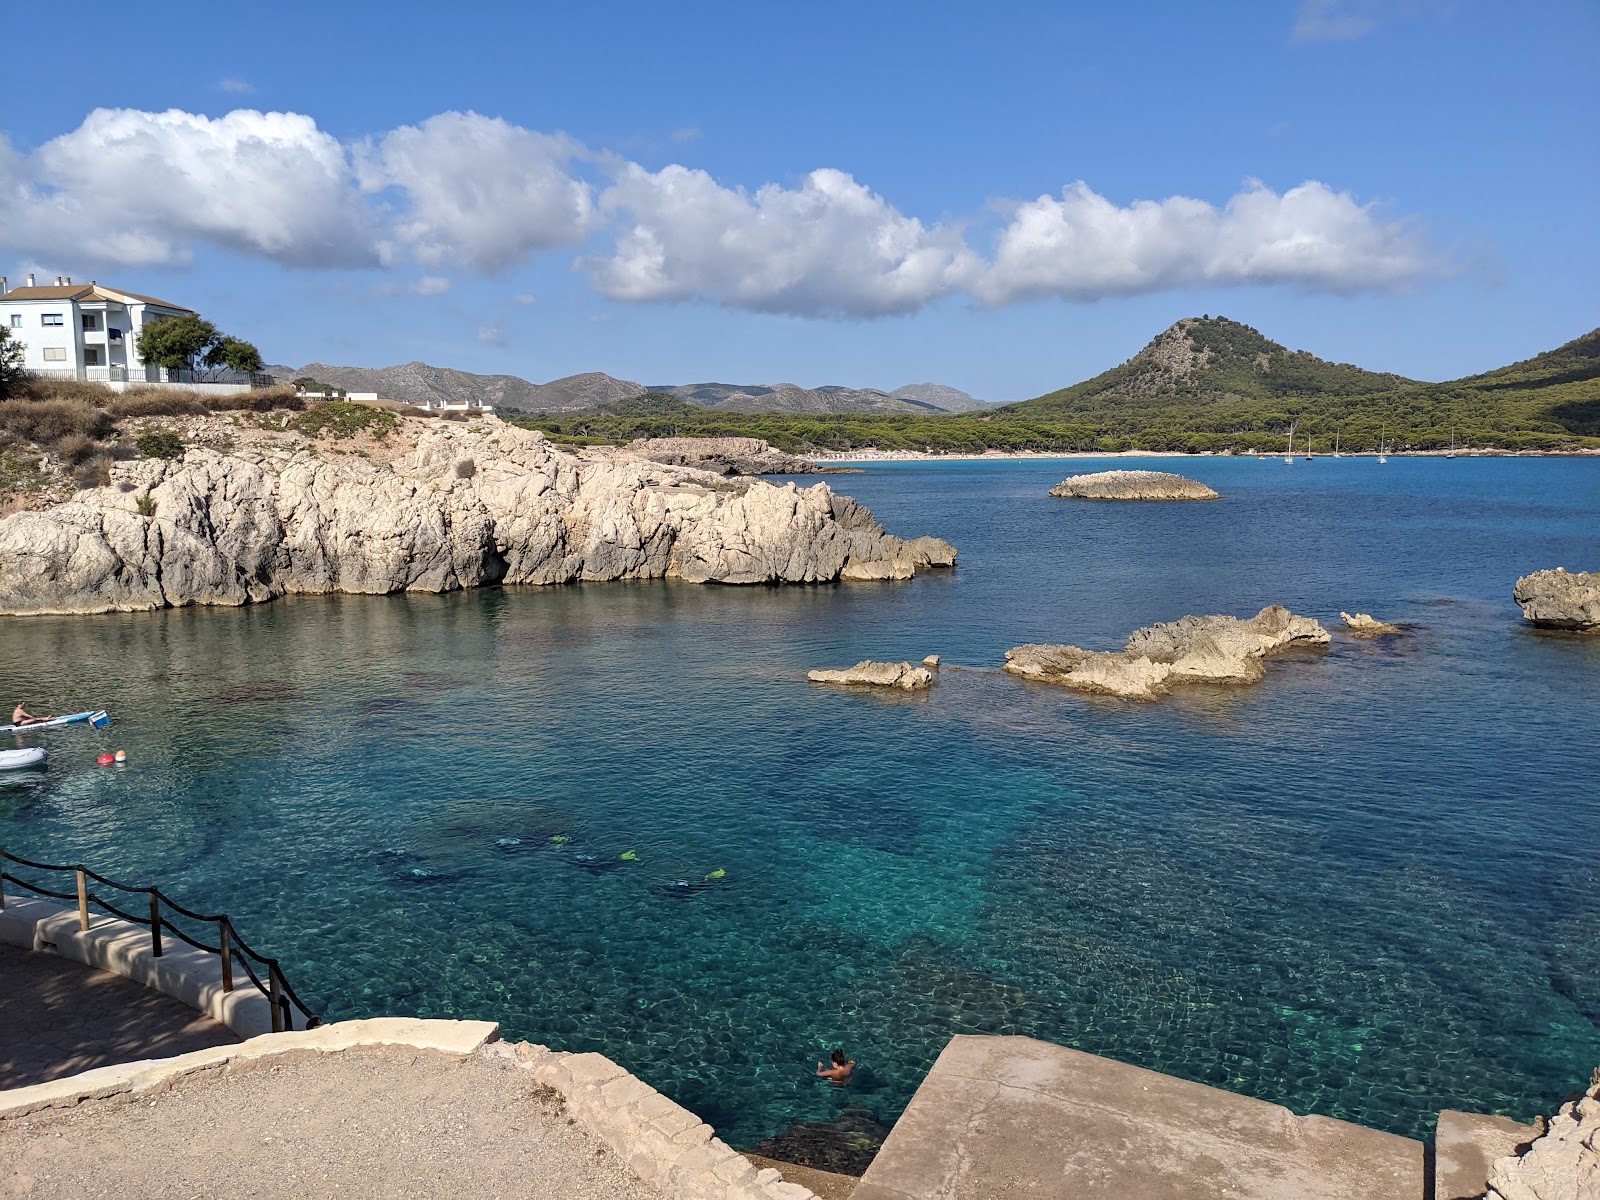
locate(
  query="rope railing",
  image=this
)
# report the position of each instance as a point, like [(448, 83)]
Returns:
[(230, 947)]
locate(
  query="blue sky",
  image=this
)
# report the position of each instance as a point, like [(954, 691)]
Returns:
[(1006, 199)]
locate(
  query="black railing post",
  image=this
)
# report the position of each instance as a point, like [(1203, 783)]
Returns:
[(225, 944), (155, 922), (274, 996)]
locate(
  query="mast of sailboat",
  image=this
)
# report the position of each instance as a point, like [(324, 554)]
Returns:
[(1288, 456)]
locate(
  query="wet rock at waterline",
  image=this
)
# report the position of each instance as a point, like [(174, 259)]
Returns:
[(1366, 625), (1132, 485), (256, 523), (867, 673), (1564, 1162), (1559, 600), (1214, 649)]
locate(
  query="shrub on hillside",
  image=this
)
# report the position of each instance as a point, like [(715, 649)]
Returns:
[(46, 422), (159, 443), (342, 419), (156, 402), (258, 400)]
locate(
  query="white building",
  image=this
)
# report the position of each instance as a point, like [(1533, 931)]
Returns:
[(83, 331)]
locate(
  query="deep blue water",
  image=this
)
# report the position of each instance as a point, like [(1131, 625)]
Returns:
[(1369, 887)]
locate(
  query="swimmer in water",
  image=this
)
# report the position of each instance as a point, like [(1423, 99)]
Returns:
[(838, 1074)]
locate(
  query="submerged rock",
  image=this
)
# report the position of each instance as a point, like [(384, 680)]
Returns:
[(1132, 485), (877, 674), (261, 522), (1564, 1163), (1366, 625), (1557, 600), (1214, 649)]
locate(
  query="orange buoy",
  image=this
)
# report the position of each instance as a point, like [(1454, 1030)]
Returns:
[(121, 756)]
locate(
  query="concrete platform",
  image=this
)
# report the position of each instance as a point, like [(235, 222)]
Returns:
[(1465, 1146), (1009, 1116), (59, 1017)]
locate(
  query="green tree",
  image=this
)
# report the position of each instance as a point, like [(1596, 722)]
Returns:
[(11, 352), (234, 354), (177, 342)]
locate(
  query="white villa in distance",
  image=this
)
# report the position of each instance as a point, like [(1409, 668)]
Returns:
[(91, 332)]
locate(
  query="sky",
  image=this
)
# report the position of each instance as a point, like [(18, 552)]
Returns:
[(1005, 198)]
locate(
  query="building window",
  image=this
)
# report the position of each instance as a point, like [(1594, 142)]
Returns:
[(16, 320), (51, 319), (54, 354), (91, 356), (91, 322)]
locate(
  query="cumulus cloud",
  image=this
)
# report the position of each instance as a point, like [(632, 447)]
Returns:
[(239, 87), (461, 191), (1083, 247), (479, 190), (143, 188), (1330, 21), (828, 248)]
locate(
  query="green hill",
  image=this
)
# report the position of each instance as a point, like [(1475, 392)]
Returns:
[(1206, 384), (1208, 360)]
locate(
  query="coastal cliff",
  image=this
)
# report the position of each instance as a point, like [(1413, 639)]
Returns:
[(455, 505)]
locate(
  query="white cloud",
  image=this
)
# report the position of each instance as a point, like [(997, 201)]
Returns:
[(141, 188), (524, 298), (1330, 21), (490, 334), (1084, 247), (830, 247), (479, 190), (239, 87), (685, 135)]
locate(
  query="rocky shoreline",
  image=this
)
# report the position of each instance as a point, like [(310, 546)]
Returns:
[(456, 505)]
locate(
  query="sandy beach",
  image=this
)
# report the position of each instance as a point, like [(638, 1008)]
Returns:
[(872, 456)]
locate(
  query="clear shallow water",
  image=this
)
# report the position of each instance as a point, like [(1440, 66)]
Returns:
[(1369, 887)]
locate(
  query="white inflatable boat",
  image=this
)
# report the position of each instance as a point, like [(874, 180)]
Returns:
[(17, 760)]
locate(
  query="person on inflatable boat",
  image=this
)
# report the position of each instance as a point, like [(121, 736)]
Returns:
[(21, 716)]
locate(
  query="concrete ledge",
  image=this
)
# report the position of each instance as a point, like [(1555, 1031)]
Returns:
[(1011, 1116), (662, 1143), (459, 1038), (1465, 1146), (182, 972)]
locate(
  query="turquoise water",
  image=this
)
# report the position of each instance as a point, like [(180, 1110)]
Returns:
[(1369, 887)]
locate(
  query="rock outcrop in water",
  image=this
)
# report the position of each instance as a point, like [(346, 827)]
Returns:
[(867, 673), (1132, 485), (1216, 649), (464, 505), (1557, 600), (1564, 1164), (1366, 625)]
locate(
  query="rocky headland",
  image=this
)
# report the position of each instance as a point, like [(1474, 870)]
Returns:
[(1563, 1163), (1558, 600), (1366, 625), (728, 456), (1132, 485), (867, 673), (1214, 649), (433, 507)]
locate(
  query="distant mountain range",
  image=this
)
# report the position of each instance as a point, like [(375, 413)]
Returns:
[(417, 381)]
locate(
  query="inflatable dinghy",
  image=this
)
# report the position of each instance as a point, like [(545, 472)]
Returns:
[(18, 760), (96, 718)]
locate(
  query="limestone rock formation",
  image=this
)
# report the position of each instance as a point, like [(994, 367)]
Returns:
[(877, 674), (262, 521), (725, 456), (1215, 649), (931, 662), (1557, 600), (1132, 485), (1564, 1164), (1366, 625)]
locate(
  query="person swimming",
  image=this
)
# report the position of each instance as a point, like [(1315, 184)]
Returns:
[(838, 1074), (21, 716)]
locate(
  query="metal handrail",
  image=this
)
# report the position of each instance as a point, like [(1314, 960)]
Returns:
[(230, 947)]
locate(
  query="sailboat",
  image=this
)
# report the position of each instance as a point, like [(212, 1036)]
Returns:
[(1382, 440), (1452, 451), (1336, 453), (1289, 457)]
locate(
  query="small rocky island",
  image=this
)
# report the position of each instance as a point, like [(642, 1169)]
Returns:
[(1215, 649), (867, 673), (429, 506), (729, 456), (1132, 485), (1559, 600), (1366, 625)]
